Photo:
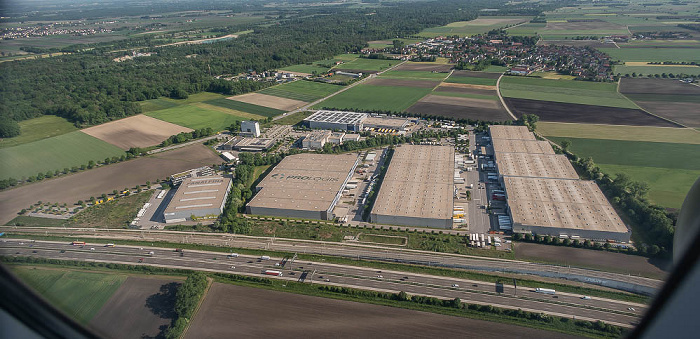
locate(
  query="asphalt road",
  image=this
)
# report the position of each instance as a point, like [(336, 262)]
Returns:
[(348, 250), (562, 304)]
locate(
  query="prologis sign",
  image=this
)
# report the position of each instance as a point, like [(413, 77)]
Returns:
[(282, 176)]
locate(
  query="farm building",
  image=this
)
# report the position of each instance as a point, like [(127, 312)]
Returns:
[(304, 186), (202, 197), (417, 189), (562, 207), (346, 121), (511, 132), (535, 165)]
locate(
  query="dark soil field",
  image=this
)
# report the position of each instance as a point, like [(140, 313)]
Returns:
[(245, 312), (686, 113), (402, 83), (141, 308), (565, 112), (466, 90), (473, 74), (81, 186), (410, 66), (632, 264), (657, 86), (459, 112)]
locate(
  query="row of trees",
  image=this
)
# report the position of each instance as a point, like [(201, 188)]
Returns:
[(186, 300), (187, 136)]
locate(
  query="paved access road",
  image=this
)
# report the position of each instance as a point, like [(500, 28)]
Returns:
[(563, 304)]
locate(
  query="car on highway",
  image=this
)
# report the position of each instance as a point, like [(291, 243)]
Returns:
[(233, 267), (585, 297), (92, 248), (233, 255), (630, 309), (327, 280), (455, 285)]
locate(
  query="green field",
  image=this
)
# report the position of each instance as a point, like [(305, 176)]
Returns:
[(466, 95), (306, 68), (163, 103), (244, 107), (196, 117), (623, 69), (619, 132), (39, 128), (55, 153), (653, 54), (473, 27), (80, 294), (308, 91), (365, 64), (117, 213), (291, 119), (569, 91), (420, 75), (670, 169), (495, 69), (368, 97), (526, 29), (471, 80)]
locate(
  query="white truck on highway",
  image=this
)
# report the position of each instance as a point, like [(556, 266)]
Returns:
[(545, 290)]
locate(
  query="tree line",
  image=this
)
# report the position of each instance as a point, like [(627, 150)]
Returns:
[(186, 300)]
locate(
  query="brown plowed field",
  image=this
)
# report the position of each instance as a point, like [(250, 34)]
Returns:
[(457, 101), (467, 90), (473, 74), (657, 86), (245, 312), (402, 83), (459, 112), (414, 66), (565, 112), (81, 186), (350, 70), (632, 264), (137, 131), (269, 101), (686, 113), (140, 308), (456, 85)]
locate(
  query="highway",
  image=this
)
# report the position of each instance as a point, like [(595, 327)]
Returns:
[(353, 250), (562, 304)]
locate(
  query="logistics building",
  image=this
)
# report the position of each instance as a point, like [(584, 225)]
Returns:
[(522, 146), (417, 189), (511, 132), (304, 186), (381, 122), (535, 165), (562, 208), (346, 121), (202, 197)]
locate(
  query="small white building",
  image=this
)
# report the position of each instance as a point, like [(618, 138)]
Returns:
[(336, 138), (316, 139), (250, 128)]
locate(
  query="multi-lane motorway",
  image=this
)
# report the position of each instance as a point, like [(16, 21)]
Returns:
[(563, 304)]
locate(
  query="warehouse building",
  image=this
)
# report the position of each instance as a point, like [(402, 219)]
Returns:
[(390, 123), (316, 139), (304, 186), (202, 197), (336, 120), (417, 189), (511, 132), (562, 208), (522, 146), (535, 165)]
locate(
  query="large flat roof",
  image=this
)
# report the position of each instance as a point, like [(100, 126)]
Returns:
[(386, 122), (418, 183), (337, 117), (305, 182), (522, 146), (511, 132), (561, 203), (535, 165), (199, 193)]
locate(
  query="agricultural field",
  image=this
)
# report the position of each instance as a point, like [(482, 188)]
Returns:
[(611, 132), (56, 153), (570, 28), (632, 67), (371, 97), (564, 91), (269, 101), (306, 69), (244, 107), (195, 117), (136, 131), (576, 113), (302, 90), (464, 92), (473, 78), (141, 308), (653, 54), (670, 99), (292, 119), (43, 127), (460, 108), (670, 169), (367, 65), (423, 66), (80, 294), (419, 75), (382, 81), (81, 186), (473, 27)]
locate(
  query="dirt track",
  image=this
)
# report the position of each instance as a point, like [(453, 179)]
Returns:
[(258, 313), (565, 112), (402, 83), (138, 309), (81, 186), (632, 264)]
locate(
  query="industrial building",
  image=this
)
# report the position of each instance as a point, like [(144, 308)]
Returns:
[(562, 208), (250, 129), (511, 132), (316, 139), (304, 186), (380, 122), (535, 165), (203, 171), (202, 197), (417, 189), (249, 144), (336, 120), (522, 146)]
